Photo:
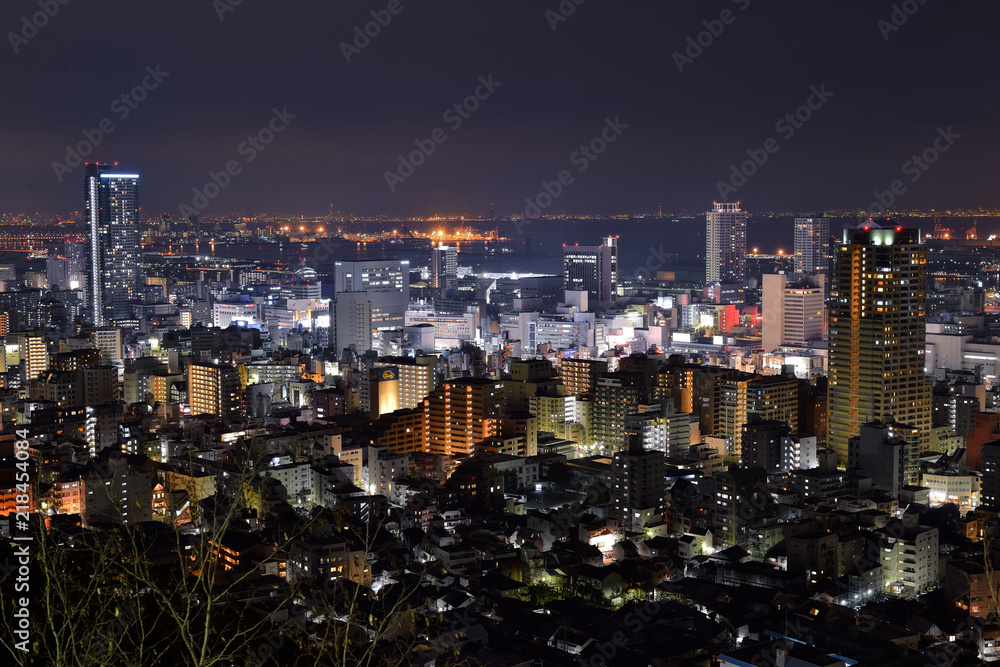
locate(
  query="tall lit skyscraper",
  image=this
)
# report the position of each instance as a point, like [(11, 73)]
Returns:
[(111, 201), (878, 316), (444, 267), (593, 269), (812, 245), (725, 243)]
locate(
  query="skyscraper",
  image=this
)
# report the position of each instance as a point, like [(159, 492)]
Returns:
[(725, 243), (111, 201), (877, 334), (812, 245), (592, 269), (444, 267)]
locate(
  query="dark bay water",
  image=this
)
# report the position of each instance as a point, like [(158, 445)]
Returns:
[(535, 246)]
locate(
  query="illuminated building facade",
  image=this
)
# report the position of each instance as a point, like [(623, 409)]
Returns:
[(812, 245), (579, 376), (877, 334), (215, 390), (444, 267), (592, 269), (111, 202), (387, 282), (725, 243), (461, 413)]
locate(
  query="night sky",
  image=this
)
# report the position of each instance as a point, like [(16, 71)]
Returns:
[(891, 92)]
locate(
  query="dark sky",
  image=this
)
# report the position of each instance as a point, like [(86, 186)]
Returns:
[(609, 59)]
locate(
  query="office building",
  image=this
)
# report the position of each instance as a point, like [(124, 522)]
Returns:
[(116, 492), (111, 203), (108, 340), (57, 273), (761, 443), (387, 282), (799, 452), (352, 322), (31, 354), (383, 391), (812, 245), (990, 465), (877, 333), (402, 430), (592, 269), (559, 415), (444, 267), (794, 312), (725, 243), (910, 558), (75, 251)]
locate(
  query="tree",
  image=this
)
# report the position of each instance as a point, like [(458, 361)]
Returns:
[(559, 474), (510, 481), (162, 594)]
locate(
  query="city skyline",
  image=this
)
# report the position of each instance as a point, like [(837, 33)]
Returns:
[(592, 332)]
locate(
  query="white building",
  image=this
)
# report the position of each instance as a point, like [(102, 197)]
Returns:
[(297, 478), (449, 330), (909, 555), (794, 313), (953, 487), (387, 282), (352, 321), (798, 452), (226, 314), (812, 245), (725, 243)]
